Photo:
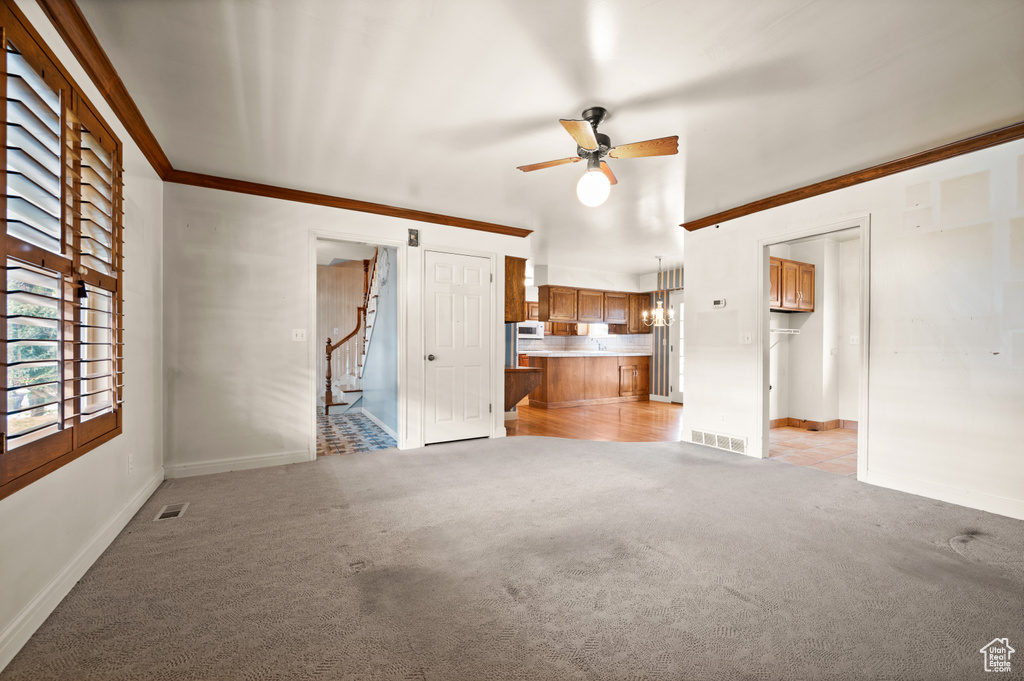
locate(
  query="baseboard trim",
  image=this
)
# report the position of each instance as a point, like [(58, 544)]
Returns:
[(240, 463), (1012, 508), (660, 398), (583, 403), (18, 632), (369, 415)]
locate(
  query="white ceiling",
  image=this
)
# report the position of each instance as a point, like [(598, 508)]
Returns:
[(431, 104)]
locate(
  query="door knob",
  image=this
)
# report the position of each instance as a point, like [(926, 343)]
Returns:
[(430, 357)]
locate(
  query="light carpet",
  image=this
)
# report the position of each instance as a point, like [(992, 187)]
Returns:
[(534, 558)]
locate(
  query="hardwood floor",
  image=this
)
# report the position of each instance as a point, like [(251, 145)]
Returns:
[(620, 422)]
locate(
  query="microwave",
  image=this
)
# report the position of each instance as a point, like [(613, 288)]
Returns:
[(531, 329)]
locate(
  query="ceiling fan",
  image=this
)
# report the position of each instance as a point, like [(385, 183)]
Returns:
[(595, 185)]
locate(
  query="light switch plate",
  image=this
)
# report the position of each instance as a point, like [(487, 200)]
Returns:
[(298, 334)]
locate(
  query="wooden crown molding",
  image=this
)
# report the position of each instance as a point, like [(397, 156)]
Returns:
[(72, 26), (299, 196), (964, 146)]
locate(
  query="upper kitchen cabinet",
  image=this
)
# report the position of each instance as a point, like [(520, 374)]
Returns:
[(616, 307), (638, 303), (635, 305), (791, 286), (515, 289), (557, 304), (533, 311), (590, 306)]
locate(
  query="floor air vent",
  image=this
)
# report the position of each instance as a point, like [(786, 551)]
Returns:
[(726, 442), (171, 511)]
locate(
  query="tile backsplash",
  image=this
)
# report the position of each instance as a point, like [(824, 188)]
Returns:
[(625, 343)]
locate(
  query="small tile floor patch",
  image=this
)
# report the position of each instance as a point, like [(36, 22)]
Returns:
[(341, 434)]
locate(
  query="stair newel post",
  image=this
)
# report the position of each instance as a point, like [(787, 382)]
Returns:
[(328, 396)]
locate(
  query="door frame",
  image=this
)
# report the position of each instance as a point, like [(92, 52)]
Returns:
[(401, 262), (675, 352), (497, 352), (763, 334)]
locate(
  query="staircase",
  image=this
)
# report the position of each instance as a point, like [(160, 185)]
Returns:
[(344, 393)]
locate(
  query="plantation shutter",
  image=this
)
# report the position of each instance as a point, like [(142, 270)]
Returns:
[(62, 255)]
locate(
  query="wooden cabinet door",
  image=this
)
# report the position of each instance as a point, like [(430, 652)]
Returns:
[(642, 380), (805, 287), (557, 304), (515, 289), (524, 360), (616, 307), (774, 274), (533, 311), (590, 306), (627, 380), (638, 303), (790, 277), (562, 329)]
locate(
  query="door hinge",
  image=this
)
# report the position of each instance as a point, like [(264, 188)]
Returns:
[(490, 408), (492, 277), (3, 442)]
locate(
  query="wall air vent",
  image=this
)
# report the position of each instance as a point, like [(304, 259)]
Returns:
[(727, 442), (171, 511)]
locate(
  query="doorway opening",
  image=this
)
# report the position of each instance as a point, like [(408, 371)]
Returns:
[(357, 333), (815, 345)]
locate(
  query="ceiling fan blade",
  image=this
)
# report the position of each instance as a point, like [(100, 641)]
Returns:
[(582, 132), (606, 169), (548, 164), (663, 146)]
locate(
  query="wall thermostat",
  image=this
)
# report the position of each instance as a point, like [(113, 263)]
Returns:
[(719, 302)]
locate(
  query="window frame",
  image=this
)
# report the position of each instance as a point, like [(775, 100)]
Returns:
[(76, 436)]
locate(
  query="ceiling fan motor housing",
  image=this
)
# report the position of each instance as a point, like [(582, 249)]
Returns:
[(594, 116)]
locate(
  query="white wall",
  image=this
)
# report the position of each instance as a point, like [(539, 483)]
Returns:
[(239, 279), (54, 529), (849, 327), (946, 369), (380, 374)]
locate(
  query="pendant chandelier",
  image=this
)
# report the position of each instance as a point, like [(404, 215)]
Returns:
[(657, 316)]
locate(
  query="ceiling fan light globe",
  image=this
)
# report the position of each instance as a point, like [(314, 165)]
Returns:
[(593, 188)]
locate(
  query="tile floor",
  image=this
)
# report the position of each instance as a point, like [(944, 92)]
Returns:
[(348, 434), (834, 451)]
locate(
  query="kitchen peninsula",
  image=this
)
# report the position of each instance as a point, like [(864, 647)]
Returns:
[(573, 379)]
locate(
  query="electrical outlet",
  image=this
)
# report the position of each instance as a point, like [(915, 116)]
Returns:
[(131, 463), (721, 418), (335, 331), (298, 334), (745, 338), (854, 340)]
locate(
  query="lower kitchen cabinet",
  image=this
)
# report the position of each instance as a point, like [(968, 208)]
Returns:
[(576, 381)]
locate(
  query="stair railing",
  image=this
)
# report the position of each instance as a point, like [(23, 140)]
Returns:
[(331, 347), (369, 272)]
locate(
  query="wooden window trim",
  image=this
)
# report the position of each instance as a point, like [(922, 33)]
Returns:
[(32, 461)]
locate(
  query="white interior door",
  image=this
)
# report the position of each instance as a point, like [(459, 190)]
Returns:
[(675, 355), (458, 347)]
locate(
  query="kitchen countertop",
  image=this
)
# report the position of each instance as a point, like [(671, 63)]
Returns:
[(583, 353)]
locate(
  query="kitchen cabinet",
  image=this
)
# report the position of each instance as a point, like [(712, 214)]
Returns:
[(576, 381), (634, 376), (557, 304), (533, 311), (565, 329), (775, 289), (515, 289), (590, 306), (791, 286), (616, 307), (638, 302)]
